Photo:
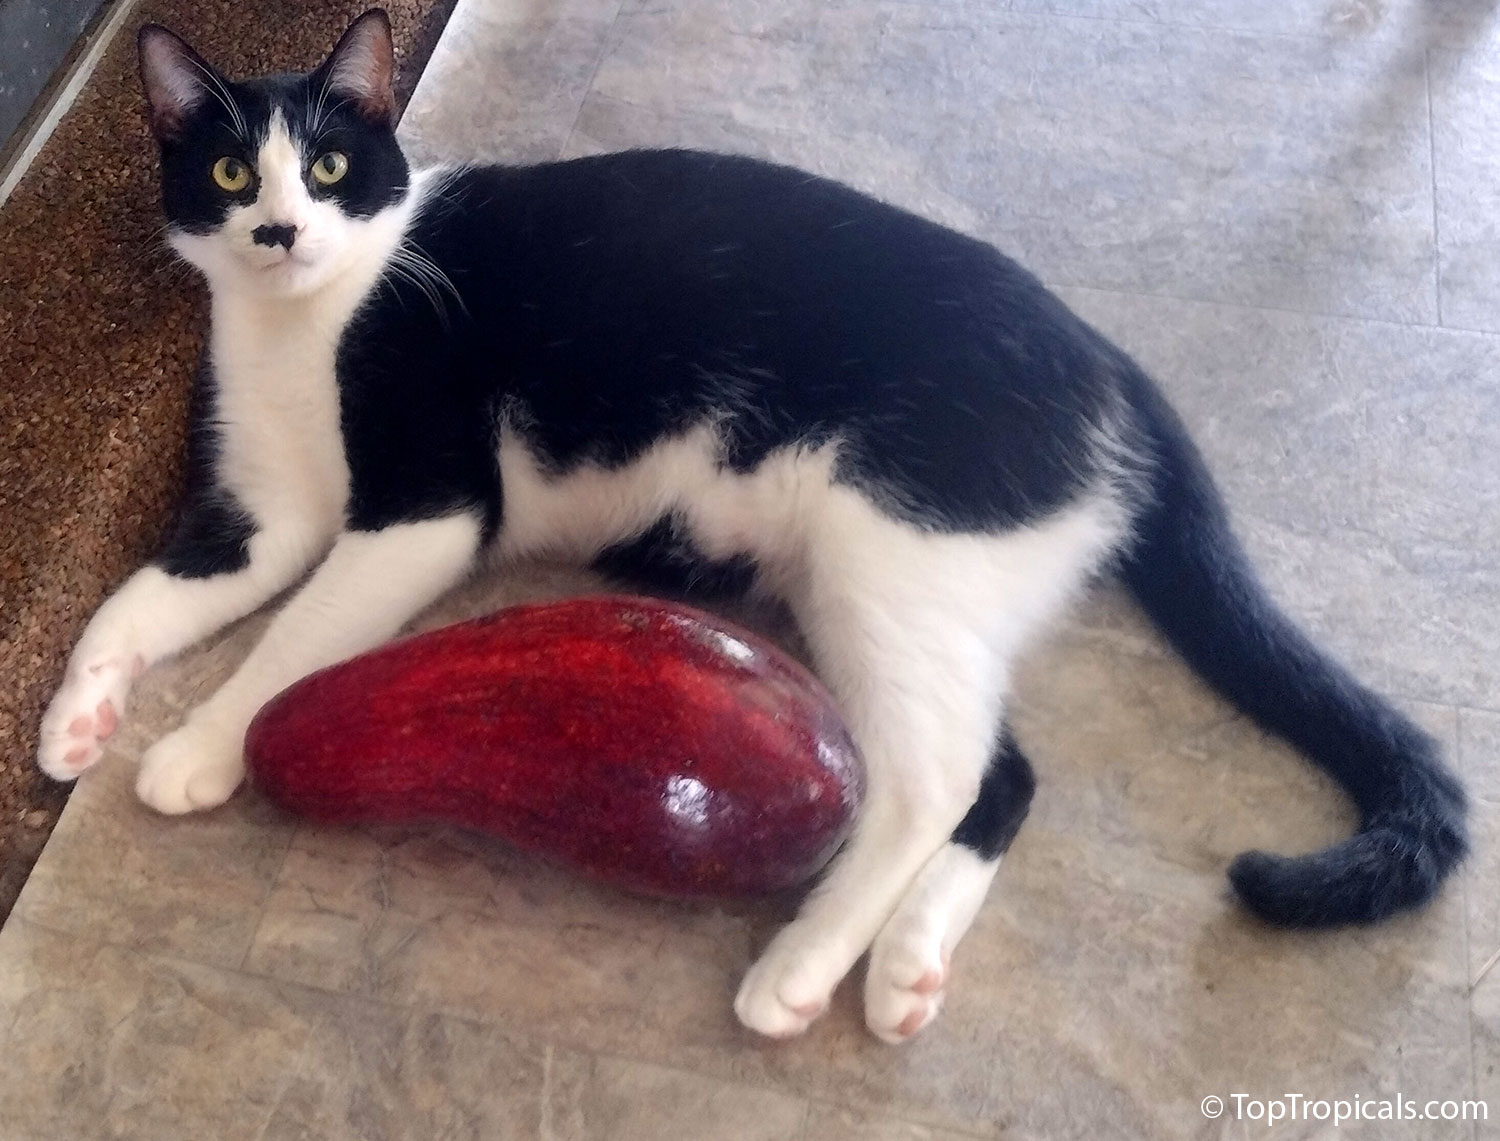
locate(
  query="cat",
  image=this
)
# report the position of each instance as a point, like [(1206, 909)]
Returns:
[(688, 360)]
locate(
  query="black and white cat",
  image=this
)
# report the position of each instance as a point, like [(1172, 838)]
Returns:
[(659, 356)]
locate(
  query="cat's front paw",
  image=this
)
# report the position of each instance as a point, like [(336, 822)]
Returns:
[(196, 767), (84, 712), (790, 984)]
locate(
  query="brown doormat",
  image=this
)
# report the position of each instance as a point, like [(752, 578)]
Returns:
[(99, 334)]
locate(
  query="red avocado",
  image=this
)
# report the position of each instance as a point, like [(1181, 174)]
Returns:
[(645, 743)]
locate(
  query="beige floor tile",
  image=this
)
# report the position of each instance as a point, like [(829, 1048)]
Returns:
[(632, 1101), (1479, 747), (522, 68), (115, 871), (102, 1042), (828, 1123), (371, 1075), (106, 1042), (1465, 86), (1487, 1054)]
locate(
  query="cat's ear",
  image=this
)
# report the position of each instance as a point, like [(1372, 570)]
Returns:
[(362, 68), (175, 77)]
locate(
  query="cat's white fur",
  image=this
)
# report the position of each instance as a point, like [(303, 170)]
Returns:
[(909, 959), (914, 632)]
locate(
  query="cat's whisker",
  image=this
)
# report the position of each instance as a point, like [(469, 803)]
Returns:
[(413, 275), (430, 269), (314, 111), (215, 87), (412, 265), (323, 114)]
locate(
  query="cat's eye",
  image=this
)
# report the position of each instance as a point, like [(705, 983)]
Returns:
[(231, 174), (331, 167)]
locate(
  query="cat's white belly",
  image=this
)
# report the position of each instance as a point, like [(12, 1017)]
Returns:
[(764, 513), (796, 522)]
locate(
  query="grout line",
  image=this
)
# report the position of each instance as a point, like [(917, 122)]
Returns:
[(604, 49), (544, 1125), (1395, 693), (1437, 244), (1462, 707), (63, 101), (265, 900), (802, 1129), (273, 1103), (801, 1125), (1484, 970)]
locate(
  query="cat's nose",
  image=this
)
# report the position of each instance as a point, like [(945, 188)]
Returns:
[(275, 235)]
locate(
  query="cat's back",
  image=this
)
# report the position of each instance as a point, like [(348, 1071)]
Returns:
[(716, 254), (620, 298), (706, 216)]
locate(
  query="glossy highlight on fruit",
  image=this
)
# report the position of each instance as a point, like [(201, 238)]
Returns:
[(642, 742)]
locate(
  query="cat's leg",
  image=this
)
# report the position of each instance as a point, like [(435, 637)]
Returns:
[(370, 585), (914, 632), (909, 960), (920, 691), (213, 572)]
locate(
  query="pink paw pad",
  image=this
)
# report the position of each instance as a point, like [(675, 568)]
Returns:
[(81, 726), (76, 757), (108, 721), (912, 1022), (809, 1009), (930, 983)]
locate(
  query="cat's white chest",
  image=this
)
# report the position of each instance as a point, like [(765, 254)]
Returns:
[(281, 447)]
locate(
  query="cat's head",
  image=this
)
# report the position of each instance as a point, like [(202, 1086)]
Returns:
[(271, 184)]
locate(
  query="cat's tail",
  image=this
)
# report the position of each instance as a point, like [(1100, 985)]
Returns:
[(1191, 575)]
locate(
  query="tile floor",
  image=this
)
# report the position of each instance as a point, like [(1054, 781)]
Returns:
[(1288, 212)]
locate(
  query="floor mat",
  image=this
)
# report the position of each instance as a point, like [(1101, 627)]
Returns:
[(99, 332)]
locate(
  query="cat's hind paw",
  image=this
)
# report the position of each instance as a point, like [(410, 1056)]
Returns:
[(194, 768), (84, 713), (789, 986), (903, 987)]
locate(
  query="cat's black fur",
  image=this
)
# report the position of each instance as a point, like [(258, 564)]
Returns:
[(1191, 575), (1002, 804), (212, 531), (600, 305), (627, 297), (664, 558)]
